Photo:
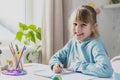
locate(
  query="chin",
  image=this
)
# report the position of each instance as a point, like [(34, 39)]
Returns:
[(80, 40)]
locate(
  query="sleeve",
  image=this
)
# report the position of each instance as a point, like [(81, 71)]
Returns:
[(60, 56), (101, 66)]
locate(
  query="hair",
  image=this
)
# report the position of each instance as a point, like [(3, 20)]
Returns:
[(85, 14)]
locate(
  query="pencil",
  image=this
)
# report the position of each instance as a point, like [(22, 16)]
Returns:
[(13, 50), (18, 53), (15, 60), (24, 48)]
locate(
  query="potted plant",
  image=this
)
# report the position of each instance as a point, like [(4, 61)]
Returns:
[(29, 34), (115, 1)]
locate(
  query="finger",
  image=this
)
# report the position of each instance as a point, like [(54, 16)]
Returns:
[(62, 66), (57, 70)]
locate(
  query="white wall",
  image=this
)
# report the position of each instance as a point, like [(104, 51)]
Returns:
[(110, 31), (11, 12), (97, 2), (109, 25)]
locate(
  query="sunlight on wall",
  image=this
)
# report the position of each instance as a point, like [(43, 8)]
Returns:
[(12, 12)]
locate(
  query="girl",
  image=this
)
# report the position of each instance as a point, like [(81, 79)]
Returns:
[(85, 52)]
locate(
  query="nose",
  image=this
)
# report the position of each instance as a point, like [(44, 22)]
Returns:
[(78, 28)]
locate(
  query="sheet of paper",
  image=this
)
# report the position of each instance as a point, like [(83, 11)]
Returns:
[(45, 73), (49, 73), (78, 76)]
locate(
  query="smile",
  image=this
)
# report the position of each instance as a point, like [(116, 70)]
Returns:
[(80, 34)]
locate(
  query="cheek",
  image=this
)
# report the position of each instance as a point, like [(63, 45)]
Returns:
[(73, 29), (89, 31)]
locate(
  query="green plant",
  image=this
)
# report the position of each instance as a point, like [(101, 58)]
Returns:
[(29, 34), (115, 1)]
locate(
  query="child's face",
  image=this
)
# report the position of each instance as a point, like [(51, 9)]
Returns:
[(82, 30)]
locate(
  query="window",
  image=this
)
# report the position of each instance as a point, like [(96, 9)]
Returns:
[(14, 11), (34, 9), (11, 12)]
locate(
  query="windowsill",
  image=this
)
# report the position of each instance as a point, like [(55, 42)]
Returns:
[(111, 6)]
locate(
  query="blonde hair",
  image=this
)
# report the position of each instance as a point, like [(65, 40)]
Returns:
[(85, 14)]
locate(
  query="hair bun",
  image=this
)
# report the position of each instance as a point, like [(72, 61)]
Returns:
[(93, 6), (97, 10)]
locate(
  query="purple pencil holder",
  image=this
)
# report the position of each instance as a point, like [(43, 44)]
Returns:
[(14, 72)]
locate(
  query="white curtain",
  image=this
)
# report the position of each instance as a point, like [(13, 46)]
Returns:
[(52, 37)]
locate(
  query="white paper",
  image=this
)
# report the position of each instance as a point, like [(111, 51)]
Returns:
[(45, 73), (78, 76), (49, 73)]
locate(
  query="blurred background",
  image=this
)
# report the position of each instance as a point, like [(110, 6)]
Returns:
[(52, 16)]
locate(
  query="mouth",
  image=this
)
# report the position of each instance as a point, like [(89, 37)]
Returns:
[(79, 34)]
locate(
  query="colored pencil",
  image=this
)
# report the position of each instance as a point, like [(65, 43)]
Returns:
[(24, 48)]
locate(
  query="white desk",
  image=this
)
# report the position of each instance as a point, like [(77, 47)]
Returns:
[(31, 68)]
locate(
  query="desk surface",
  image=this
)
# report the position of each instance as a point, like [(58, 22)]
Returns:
[(31, 68)]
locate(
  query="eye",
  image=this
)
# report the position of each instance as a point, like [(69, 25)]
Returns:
[(74, 24), (83, 25)]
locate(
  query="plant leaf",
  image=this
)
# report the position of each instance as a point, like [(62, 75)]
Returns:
[(28, 38), (34, 52), (38, 35), (28, 35), (32, 37), (23, 26), (26, 42), (30, 61), (19, 35), (38, 29), (27, 56), (33, 27)]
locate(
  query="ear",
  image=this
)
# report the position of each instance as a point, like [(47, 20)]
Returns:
[(95, 26)]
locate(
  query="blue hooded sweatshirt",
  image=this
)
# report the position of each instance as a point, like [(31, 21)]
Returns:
[(88, 57)]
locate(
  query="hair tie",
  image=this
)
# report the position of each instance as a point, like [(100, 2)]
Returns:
[(93, 6)]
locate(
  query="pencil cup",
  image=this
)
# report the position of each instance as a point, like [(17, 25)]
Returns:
[(14, 70), (15, 67)]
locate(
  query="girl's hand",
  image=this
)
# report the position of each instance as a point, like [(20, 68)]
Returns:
[(57, 68)]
